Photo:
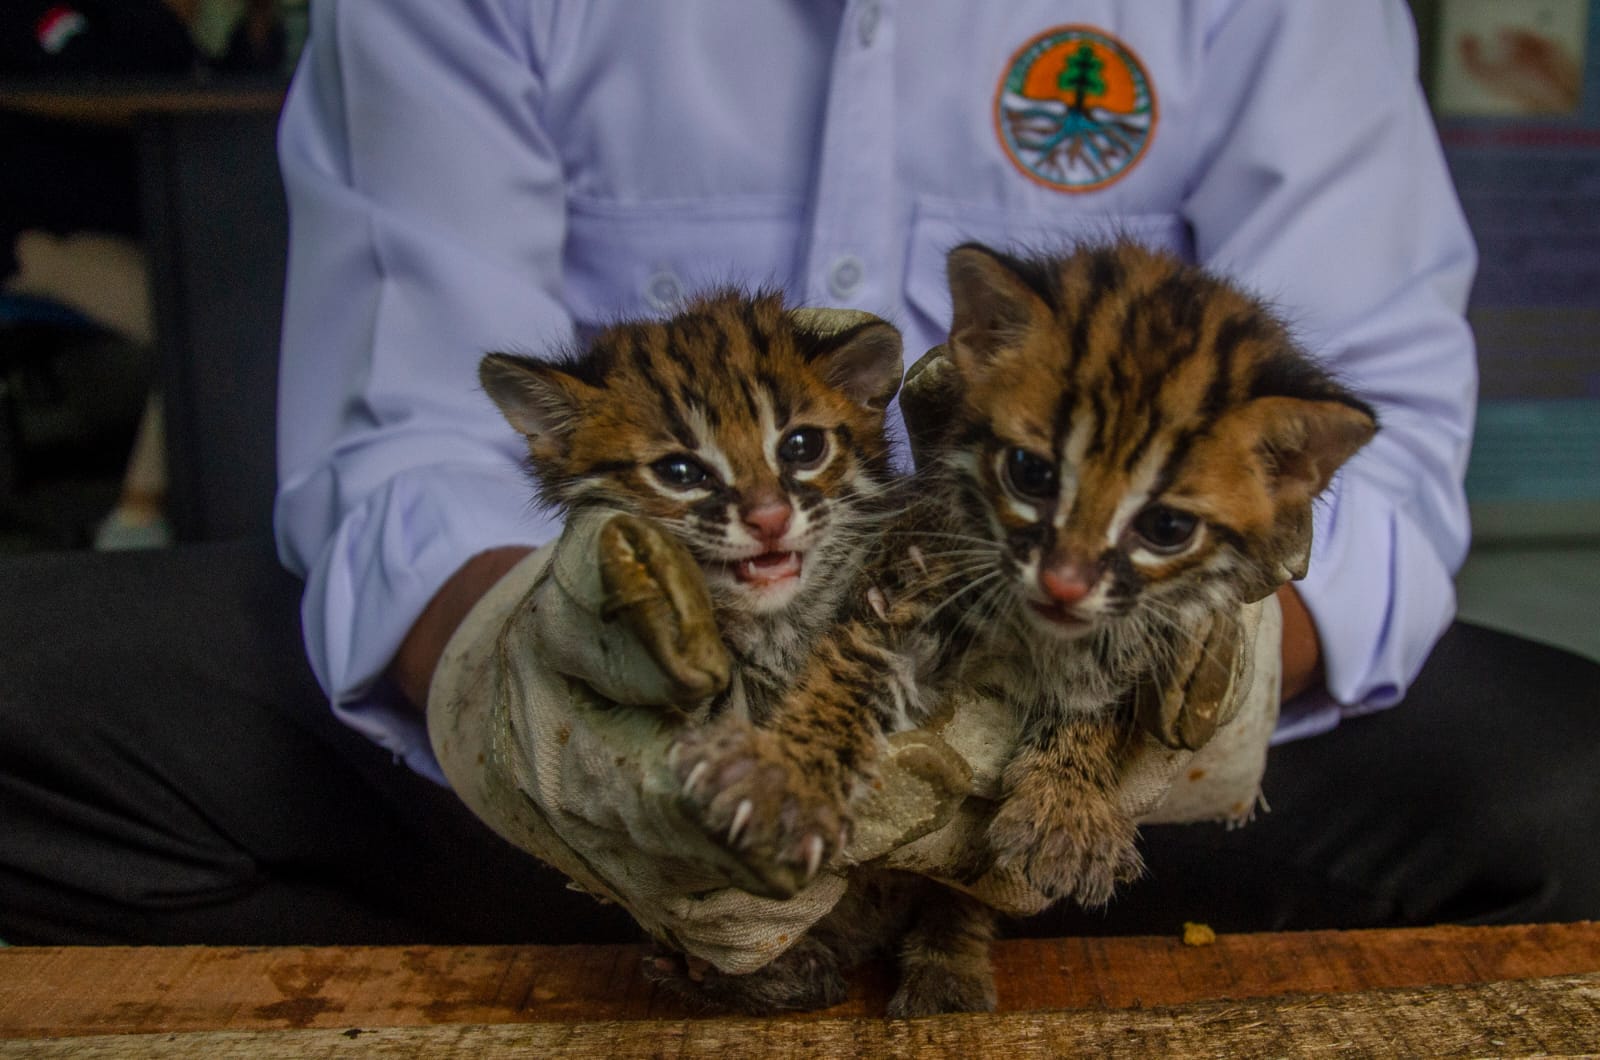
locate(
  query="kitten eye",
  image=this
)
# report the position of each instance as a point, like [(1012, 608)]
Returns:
[(803, 446), (1030, 474), (680, 471), (1165, 530)]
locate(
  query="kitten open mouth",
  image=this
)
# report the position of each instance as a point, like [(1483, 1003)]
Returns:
[(769, 568)]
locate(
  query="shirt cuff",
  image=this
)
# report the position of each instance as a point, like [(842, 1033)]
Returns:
[(384, 563)]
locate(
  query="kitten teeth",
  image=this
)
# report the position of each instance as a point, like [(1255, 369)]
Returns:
[(695, 776), (880, 605), (741, 817), (814, 850), (769, 568)]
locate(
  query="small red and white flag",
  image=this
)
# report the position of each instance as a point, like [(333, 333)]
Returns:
[(57, 26)]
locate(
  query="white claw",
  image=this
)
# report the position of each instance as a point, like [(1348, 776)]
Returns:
[(700, 770), (813, 856), (880, 605), (916, 557), (741, 817)]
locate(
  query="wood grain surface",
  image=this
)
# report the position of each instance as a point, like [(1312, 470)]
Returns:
[(77, 992), (1552, 1017)]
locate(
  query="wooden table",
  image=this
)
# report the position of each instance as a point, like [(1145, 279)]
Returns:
[(1448, 991), (123, 101)]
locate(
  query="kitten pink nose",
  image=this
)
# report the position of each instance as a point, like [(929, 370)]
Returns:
[(1065, 583), (769, 519)]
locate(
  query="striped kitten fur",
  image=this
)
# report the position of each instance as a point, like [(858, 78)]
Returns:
[(1126, 449), (742, 430)]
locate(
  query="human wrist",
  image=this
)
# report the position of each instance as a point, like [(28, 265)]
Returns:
[(413, 665), (1301, 647)]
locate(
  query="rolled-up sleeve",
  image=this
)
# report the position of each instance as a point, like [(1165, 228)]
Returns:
[(426, 224), (1324, 188)]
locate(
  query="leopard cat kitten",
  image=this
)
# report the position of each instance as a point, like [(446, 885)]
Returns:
[(1131, 452), (746, 431), (753, 436)]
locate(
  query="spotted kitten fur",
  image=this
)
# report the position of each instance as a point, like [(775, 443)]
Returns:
[(1123, 450), (745, 433)]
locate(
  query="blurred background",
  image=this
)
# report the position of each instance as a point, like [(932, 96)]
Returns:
[(141, 267), (142, 250), (1516, 94)]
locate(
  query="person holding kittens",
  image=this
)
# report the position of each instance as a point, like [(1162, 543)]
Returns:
[(511, 175)]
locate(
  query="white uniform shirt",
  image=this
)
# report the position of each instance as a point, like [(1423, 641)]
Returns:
[(497, 174)]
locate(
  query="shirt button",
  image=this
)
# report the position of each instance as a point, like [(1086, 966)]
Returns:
[(663, 291), (845, 277), (867, 23)]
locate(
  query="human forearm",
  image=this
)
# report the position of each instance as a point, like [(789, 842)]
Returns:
[(1302, 651), (394, 468), (413, 666)]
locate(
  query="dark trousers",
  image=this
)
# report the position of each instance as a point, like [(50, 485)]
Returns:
[(170, 773)]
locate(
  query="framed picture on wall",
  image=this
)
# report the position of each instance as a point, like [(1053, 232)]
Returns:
[(1496, 58)]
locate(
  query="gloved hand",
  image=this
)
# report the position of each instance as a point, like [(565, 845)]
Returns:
[(547, 715), (551, 719), (1162, 783)]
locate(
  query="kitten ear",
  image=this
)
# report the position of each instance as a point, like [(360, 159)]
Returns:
[(1300, 443), (991, 304), (537, 398), (858, 353), (930, 401), (1305, 441)]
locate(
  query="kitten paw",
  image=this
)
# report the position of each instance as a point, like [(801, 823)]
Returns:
[(754, 799), (1067, 845), (934, 988), (804, 977), (656, 589)]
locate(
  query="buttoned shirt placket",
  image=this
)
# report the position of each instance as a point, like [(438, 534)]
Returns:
[(852, 259)]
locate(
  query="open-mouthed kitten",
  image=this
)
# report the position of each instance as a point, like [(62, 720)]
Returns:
[(749, 433)]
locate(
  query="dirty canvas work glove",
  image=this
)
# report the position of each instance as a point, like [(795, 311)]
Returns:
[(551, 720), (551, 714)]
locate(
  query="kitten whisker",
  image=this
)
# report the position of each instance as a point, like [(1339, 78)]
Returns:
[(922, 587), (930, 616)]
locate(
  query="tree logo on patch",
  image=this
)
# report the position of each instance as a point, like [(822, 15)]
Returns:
[(1075, 109)]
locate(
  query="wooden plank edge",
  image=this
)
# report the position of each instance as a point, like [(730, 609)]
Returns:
[(87, 991), (1556, 1016)]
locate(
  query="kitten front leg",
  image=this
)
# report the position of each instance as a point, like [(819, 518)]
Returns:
[(804, 977), (944, 959), (1059, 820), (751, 791), (780, 796)]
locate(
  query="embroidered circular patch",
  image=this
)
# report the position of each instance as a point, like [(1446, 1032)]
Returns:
[(1075, 109)]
